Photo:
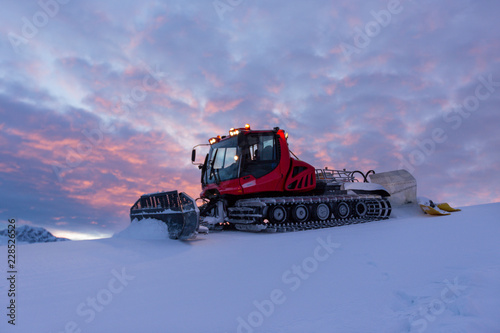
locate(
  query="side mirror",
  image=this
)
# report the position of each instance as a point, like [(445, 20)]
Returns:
[(193, 155)]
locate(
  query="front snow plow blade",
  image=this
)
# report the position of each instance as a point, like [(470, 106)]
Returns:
[(178, 211)]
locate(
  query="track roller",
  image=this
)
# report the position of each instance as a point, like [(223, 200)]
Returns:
[(300, 213), (342, 210), (277, 214), (322, 211)]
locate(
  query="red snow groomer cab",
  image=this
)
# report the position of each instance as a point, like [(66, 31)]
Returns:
[(251, 181), (248, 163)]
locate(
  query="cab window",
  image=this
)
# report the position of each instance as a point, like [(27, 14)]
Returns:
[(260, 155)]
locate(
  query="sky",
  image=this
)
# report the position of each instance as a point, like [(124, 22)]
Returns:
[(101, 102)]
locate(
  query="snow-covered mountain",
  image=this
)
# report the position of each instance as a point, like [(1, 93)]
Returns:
[(411, 273), (29, 234)]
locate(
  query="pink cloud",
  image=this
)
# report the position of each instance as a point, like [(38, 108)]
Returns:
[(222, 105), (427, 67), (212, 78), (348, 82), (350, 139), (275, 88), (330, 88), (9, 168)]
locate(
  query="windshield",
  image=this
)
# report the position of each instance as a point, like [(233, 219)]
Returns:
[(223, 162)]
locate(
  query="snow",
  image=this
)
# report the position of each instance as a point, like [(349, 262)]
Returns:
[(411, 273), (145, 229)]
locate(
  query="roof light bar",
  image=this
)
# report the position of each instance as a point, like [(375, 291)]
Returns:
[(213, 140)]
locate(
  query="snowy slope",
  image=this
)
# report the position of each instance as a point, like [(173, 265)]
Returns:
[(29, 234), (408, 274)]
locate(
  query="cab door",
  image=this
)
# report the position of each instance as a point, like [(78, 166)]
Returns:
[(259, 165)]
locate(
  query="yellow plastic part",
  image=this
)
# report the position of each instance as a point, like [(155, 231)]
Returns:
[(445, 206), (432, 211)]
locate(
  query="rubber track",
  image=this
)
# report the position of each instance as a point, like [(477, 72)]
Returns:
[(287, 227), (381, 213)]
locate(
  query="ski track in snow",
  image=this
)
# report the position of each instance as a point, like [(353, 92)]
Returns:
[(412, 273)]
